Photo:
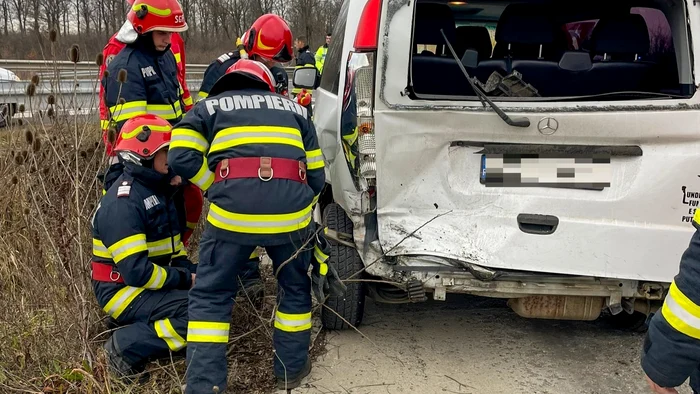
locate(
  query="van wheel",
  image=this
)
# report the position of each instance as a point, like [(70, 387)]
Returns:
[(347, 262)]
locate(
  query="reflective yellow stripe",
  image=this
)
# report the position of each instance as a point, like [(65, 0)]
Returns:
[(202, 95), (128, 110), (163, 246), (681, 312), (152, 9), (235, 136), (121, 300), (128, 246), (314, 159), (157, 279), (126, 134), (208, 332), (254, 255), (188, 101), (351, 138), (166, 332), (204, 177), (191, 225), (315, 200), (259, 223), (99, 249), (104, 124), (190, 139), (165, 111), (182, 253), (696, 217), (292, 322), (321, 258), (178, 57)]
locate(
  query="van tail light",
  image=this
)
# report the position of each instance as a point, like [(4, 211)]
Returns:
[(358, 97)]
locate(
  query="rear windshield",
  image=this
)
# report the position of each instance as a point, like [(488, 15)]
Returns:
[(537, 51)]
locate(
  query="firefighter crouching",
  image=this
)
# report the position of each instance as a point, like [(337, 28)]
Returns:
[(140, 270), (150, 86), (671, 351), (256, 154)]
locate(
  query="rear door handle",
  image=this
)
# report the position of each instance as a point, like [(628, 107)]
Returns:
[(537, 224)]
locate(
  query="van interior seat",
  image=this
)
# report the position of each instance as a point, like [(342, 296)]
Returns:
[(528, 31), (620, 40), (430, 74), (476, 38)]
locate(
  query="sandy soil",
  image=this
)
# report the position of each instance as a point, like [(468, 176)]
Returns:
[(476, 345)]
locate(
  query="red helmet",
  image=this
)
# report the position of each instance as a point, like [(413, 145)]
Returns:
[(270, 38), (141, 137), (245, 73), (150, 15)]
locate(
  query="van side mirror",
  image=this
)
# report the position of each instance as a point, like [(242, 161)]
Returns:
[(306, 78)]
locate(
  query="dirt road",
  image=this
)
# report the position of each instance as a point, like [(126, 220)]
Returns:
[(475, 345)]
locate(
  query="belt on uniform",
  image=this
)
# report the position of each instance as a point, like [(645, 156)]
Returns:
[(263, 168), (103, 272)]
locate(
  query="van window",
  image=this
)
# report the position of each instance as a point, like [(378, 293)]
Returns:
[(330, 78), (540, 51)]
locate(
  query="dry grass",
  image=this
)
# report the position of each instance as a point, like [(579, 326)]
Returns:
[(51, 328)]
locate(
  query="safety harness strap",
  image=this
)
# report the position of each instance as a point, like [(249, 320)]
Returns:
[(103, 272), (264, 168)]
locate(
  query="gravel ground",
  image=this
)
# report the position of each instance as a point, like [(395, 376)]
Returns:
[(476, 345)]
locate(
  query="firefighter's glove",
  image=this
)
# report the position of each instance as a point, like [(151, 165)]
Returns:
[(324, 277), (304, 98)]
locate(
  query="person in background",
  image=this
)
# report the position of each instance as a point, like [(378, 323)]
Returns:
[(321, 53)]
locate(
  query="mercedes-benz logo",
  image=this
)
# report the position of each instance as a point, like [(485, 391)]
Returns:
[(548, 126)]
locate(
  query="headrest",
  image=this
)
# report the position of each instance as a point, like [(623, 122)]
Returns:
[(622, 34), (430, 18), (474, 37), (525, 24)]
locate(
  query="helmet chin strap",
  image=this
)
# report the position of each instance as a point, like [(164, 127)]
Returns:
[(130, 157)]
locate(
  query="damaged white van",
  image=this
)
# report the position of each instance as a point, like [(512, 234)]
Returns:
[(543, 152)]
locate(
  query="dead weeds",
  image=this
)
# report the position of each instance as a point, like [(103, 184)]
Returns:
[(51, 328)]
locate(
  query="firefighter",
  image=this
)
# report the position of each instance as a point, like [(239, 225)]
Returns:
[(152, 86), (321, 53), (140, 271), (116, 43), (271, 48), (218, 67), (671, 350), (256, 153)]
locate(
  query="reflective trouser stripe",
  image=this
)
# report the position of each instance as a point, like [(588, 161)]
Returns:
[(121, 300), (259, 223), (292, 322), (241, 135), (166, 332), (681, 312), (207, 332)]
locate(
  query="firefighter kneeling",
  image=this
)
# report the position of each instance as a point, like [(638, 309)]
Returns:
[(140, 270), (256, 153)]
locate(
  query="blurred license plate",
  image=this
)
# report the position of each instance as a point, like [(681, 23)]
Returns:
[(513, 170)]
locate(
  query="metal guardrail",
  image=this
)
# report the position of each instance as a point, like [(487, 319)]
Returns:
[(72, 96)]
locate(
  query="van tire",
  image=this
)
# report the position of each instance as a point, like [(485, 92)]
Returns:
[(347, 262)]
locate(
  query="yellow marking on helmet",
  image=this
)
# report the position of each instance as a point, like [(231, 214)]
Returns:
[(260, 43), (152, 9), (136, 131)]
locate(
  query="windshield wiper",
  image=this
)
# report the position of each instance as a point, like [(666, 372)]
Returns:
[(517, 122), (633, 94)]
